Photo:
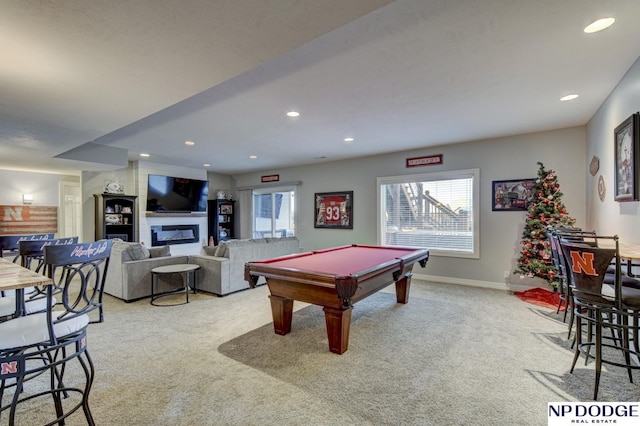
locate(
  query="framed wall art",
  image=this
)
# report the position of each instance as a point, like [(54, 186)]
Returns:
[(334, 210), (626, 168), (602, 190), (512, 195)]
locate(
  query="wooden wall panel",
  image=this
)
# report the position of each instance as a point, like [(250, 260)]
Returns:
[(23, 220)]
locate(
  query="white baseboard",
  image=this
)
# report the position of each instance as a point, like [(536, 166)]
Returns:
[(461, 281), (510, 287), (472, 283)]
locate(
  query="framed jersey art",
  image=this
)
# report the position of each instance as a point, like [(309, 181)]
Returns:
[(334, 210)]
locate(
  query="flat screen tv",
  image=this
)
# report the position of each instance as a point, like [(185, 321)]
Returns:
[(173, 194)]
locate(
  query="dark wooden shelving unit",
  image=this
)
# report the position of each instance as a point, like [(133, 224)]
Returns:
[(116, 217), (221, 220)]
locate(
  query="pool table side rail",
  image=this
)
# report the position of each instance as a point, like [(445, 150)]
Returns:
[(265, 268)]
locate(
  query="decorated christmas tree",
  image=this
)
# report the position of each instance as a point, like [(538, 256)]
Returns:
[(546, 209)]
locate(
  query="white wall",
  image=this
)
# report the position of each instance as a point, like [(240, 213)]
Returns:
[(43, 186), (142, 170), (610, 217), (94, 183), (498, 159), (135, 178), (218, 182)]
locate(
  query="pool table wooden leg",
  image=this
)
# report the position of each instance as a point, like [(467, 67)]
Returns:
[(281, 310), (402, 288), (338, 325)]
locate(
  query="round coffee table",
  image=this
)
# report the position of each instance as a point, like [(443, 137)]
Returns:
[(185, 269)]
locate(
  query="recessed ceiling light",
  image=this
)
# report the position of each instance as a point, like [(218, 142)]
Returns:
[(569, 97), (599, 25), (144, 154), (293, 114), (253, 157), (207, 165), (348, 140), (190, 143)]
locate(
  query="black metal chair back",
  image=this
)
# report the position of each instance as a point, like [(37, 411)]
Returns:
[(31, 252), (564, 277), (9, 243), (49, 341), (602, 306), (588, 266), (80, 271), (561, 272)]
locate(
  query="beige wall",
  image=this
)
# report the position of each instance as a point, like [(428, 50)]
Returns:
[(505, 158), (608, 216)]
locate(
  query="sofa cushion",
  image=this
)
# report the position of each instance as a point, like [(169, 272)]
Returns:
[(161, 251), (210, 250), (126, 257), (138, 252), (225, 274), (221, 250)]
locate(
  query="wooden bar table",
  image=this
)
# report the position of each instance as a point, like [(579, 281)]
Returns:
[(16, 277), (628, 252)]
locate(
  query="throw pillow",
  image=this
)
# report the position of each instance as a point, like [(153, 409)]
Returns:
[(221, 251), (210, 250), (162, 251), (138, 252), (126, 257)]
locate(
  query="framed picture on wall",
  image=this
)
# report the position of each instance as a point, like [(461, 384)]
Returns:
[(334, 210), (626, 145), (512, 195)]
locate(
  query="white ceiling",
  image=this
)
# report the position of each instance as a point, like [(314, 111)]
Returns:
[(109, 78)]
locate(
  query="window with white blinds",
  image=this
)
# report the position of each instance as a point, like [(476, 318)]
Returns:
[(438, 211)]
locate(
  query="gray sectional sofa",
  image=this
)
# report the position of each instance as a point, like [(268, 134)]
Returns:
[(221, 267), (129, 274)]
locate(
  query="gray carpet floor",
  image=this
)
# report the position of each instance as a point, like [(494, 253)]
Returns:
[(453, 355)]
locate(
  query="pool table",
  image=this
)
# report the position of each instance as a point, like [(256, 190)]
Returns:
[(335, 279)]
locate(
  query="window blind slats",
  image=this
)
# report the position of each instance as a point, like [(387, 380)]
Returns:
[(436, 213)]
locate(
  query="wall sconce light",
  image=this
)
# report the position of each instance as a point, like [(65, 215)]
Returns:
[(27, 198)]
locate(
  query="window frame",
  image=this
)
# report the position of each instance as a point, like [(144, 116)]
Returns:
[(272, 190), (435, 176)]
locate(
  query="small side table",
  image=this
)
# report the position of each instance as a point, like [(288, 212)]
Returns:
[(185, 269)]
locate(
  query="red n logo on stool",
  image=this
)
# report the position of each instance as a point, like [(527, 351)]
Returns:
[(582, 262), (9, 367)]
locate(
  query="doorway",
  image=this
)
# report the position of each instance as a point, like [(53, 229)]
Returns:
[(70, 216)]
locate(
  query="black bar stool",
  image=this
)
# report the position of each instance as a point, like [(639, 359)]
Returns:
[(34, 344), (602, 307)]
